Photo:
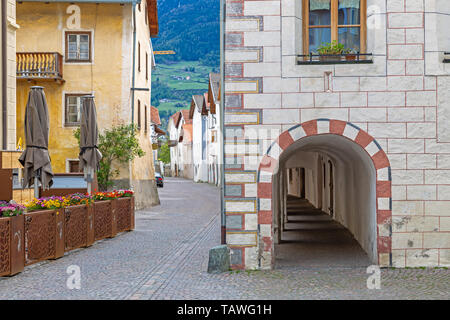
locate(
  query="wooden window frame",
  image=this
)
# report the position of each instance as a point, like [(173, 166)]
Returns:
[(69, 165), (139, 115), (145, 120), (66, 96), (66, 52), (146, 65), (334, 24), (139, 56)]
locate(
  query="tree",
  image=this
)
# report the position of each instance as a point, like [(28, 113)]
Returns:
[(164, 153), (118, 144)]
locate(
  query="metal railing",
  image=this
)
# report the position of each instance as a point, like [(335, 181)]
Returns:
[(39, 65), (335, 58)]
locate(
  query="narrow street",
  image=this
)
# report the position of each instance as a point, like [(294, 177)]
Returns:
[(166, 258)]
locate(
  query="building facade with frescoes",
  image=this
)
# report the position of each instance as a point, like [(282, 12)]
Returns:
[(341, 105)]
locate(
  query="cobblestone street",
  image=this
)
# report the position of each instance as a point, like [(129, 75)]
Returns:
[(166, 258)]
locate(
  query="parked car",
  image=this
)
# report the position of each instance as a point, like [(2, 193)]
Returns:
[(159, 180)]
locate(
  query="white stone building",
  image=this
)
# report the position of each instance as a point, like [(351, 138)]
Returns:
[(174, 134), (364, 138), (199, 115), (180, 141), (214, 133)]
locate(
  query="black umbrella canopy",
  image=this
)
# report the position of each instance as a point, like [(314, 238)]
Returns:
[(35, 159), (89, 155)]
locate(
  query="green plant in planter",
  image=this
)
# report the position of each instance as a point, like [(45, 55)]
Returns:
[(350, 54), (333, 48)]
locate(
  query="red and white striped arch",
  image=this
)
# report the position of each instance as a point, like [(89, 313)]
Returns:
[(349, 131)]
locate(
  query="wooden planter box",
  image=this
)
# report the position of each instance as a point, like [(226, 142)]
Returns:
[(124, 212), (90, 225), (104, 220), (12, 245), (76, 227), (47, 234), (44, 235)]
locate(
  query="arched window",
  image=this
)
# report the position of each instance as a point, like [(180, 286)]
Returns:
[(325, 21)]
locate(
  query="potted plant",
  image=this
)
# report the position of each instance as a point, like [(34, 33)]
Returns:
[(350, 54), (12, 257), (330, 51)]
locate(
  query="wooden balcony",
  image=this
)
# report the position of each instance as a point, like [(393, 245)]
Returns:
[(39, 66)]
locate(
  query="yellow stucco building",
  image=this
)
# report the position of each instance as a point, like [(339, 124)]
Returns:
[(77, 48)]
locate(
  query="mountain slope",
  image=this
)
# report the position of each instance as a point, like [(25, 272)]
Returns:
[(190, 28)]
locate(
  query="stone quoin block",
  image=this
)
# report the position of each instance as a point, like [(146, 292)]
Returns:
[(234, 221), (240, 206), (233, 190), (236, 256), (247, 55), (241, 238)]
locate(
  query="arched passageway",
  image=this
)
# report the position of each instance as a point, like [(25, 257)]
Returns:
[(329, 188), (317, 229)]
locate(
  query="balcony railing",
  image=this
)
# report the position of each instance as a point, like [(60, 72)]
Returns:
[(39, 65)]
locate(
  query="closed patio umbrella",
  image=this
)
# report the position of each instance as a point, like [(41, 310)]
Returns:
[(89, 155), (35, 159)]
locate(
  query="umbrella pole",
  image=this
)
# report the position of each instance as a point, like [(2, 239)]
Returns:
[(36, 185), (89, 180)]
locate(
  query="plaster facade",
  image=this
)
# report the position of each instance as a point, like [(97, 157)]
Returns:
[(108, 77)]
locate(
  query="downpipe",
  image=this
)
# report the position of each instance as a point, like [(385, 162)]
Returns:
[(133, 72), (4, 76), (222, 120)]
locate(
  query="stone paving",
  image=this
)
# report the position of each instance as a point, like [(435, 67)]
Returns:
[(166, 258)]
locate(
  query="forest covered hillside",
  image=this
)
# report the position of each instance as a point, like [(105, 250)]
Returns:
[(191, 29)]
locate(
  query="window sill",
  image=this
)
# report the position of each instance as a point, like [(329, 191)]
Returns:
[(313, 59), (299, 62)]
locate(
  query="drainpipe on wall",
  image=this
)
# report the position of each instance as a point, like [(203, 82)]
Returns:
[(4, 77), (222, 120), (133, 72)]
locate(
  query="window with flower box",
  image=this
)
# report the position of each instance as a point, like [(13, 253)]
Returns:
[(343, 21)]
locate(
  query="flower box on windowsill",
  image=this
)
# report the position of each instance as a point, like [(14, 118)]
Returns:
[(350, 58), (446, 57)]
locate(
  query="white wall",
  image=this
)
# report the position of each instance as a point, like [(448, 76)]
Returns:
[(200, 165)]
